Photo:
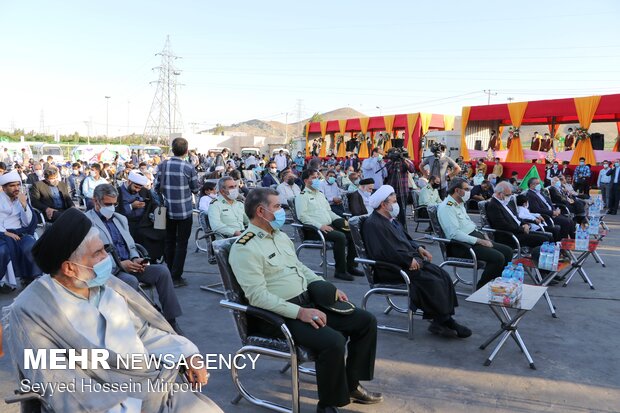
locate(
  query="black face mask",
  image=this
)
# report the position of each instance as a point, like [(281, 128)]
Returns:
[(290, 181), (436, 186)]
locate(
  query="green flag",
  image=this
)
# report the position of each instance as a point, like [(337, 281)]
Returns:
[(532, 173)]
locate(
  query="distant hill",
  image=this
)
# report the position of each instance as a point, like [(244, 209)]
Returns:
[(259, 127)]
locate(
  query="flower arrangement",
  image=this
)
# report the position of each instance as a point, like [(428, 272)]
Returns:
[(515, 132), (581, 134), (490, 155)]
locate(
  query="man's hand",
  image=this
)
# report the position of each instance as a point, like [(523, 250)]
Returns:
[(237, 233), (539, 220), (137, 204), (23, 200), (337, 200), (341, 296), (526, 228), (11, 235), (197, 376), (425, 254), (326, 228), (130, 266), (49, 212), (484, 243), (312, 316), (556, 212), (415, 265)]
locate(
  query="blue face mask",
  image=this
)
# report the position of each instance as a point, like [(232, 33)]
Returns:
[(537, 187), (279, 217), (102, 270), (316, 184), (331, 180), (558, 184)]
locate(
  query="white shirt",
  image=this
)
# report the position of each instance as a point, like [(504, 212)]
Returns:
[(12, 214), (280, 161), (286, 192), (525, 213), (330, 191), (204, 203), (250, 161)]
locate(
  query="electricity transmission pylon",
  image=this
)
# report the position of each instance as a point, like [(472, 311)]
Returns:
[(165, 116)]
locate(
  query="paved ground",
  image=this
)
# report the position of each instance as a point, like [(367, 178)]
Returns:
[(576, 354)]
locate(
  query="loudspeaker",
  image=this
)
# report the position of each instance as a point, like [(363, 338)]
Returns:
[(478, 146), (397, 143), (598, 141)]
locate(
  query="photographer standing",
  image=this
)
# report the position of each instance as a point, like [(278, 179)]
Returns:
[(439, 164), (398, 168)]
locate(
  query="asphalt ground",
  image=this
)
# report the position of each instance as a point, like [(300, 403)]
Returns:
[(577, 354)]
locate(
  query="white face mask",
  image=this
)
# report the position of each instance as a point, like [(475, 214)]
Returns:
[(39, 173), (107, 211), (466, 196), (395, 210), (233, 194)]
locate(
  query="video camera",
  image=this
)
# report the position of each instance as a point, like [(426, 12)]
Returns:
[(437, 149), (397, 154)]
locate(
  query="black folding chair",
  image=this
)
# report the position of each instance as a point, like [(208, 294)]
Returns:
[(444, 245), (304, 243), (388, 290), (281, 348)]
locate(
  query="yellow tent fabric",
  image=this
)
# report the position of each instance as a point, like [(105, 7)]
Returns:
[(517, 111), (389, 123), (323, 151), (586, 108), (364, 125), (464, 119), (448, 122), (499, 135), (387, 145), (363, 152), (412, 119), (307, 141), (426, 121), (342, 125)]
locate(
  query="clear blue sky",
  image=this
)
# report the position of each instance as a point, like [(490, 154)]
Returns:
[(253, 59)]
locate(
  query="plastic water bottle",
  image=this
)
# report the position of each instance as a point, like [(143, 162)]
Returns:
[(519, 274), (556, 255), (507, 273), (544, 256)]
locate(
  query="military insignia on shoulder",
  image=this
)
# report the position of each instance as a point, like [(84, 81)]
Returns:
[(213, 201), (450, 203), (245, 238), (302, 192)]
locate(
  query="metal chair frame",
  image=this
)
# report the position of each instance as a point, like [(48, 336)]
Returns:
[(279, 348), (388, 290), (416, 207), (321, 244), (454, 262), (204, 233)]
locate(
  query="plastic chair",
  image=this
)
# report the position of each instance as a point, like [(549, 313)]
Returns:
[(279, 348)]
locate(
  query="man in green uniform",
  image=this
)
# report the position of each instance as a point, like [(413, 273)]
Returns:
[(265, 265), (226, 216), (313, 209), (458, 226)]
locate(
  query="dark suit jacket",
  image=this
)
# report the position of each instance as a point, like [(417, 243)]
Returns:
[(612, 173), (41, 196), (499, 218), (536, 205), (269, 180), (32, 179), (356, 204)]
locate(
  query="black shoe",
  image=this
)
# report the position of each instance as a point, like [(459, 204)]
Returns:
[(6, 289), (327, 409), (179, 282), (440, 329), (355, 272), (344, 276), (363, 396), (461, 330)]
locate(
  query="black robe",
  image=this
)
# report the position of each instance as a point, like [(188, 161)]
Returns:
[(431, 287)]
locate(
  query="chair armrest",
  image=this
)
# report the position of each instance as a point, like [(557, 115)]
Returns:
[(386, 265), (23, 397), (347, 215), (508, 233), (454, 242), (268, 316)]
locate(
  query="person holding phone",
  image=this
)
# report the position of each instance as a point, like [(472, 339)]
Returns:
[(114, 230)]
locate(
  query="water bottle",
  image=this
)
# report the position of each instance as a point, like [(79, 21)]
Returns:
[(556, 255), (544, 253), (507, 273), (519, 274)]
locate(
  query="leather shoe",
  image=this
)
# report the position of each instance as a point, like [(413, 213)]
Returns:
[(461, 330), (343, 276), (355, 272), (363, 396), (326, 409), (440, 329), (179, 282)]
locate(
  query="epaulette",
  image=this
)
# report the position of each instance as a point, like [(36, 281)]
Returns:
[(450, 203), (302, 192), (213, 201), (248, 236)]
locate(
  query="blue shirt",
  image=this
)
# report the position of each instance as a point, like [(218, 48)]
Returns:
[(127, 198), (177, 180), (117, 239), (56, 197), (582, 173)]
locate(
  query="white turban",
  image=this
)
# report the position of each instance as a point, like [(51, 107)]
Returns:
[(219, 168), (380, 195), (138, 178), (9, 177)]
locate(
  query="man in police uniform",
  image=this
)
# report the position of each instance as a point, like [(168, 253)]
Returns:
[(226, 216), (458, 226), (272, 278), (313, 209), (439, 164)]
